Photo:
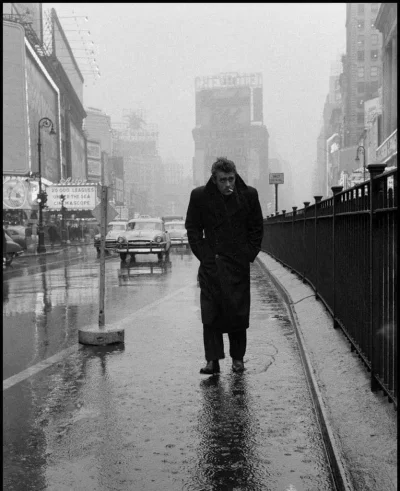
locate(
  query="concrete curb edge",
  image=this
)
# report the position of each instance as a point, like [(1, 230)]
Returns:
[(342, 481)]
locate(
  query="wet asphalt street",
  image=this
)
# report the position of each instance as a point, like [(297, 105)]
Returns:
[(139, 416)]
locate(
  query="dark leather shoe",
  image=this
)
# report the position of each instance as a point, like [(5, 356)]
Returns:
[(211, 368), (237, 365)]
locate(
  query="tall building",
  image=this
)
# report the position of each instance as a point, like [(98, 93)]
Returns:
[(137, 142), (229, 123), (329, 140), (362, 67), (42, 90), (386, 22)]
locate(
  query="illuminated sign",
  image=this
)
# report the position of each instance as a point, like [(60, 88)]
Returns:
[(76, 197), (233, 79)]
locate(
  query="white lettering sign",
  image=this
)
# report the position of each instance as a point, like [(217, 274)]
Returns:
[(76, 197)]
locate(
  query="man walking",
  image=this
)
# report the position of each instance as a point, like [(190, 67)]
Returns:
[(225, 229)]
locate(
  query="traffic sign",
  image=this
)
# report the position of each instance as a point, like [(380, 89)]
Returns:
[(111, 213), (276, 177)]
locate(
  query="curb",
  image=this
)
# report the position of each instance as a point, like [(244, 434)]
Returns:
[(340, 476)]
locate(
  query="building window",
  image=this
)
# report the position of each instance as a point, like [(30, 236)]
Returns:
[(374, 39), (374, 71), (360, 87), (360, 41), (360, 55), (360, 72), (360, 24), (374, 54), (360, 118), (360, 8), (374, 86)]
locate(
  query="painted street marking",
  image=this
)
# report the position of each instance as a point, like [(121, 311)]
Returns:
[(35, 369)]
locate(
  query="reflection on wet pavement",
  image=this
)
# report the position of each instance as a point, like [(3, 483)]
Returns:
[(138, 415)]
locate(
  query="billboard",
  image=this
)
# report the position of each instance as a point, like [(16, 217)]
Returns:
[(15, 111), (223, 108), (76, 197), (78, 153), (42, 102), (93, 161)]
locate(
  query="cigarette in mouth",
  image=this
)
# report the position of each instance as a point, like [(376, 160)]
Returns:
[(230, 190)]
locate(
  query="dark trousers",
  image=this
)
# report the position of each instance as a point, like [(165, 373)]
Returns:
[(214, 344)]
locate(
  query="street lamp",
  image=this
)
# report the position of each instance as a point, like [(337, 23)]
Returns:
[(42, 196), (62, 198), (357, 159)]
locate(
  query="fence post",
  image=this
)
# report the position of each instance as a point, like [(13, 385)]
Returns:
[(317, 200), (335, 190), (374, 170), (306, 204), (294, 208)]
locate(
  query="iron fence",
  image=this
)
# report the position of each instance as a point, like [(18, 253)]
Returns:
[(345, 247)]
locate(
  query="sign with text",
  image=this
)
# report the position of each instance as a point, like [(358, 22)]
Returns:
[(93, 149), (76, 197), (276, 178)]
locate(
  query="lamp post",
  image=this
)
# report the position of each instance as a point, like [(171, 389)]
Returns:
[(42, 196), (357, 159), (62, 198)]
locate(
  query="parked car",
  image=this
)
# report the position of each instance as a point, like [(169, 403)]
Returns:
[(114, 229), (12, 249), (177, 232), (17, 233), (144, 236)]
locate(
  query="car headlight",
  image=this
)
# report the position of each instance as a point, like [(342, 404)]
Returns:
[(158, 239), (121, 240)]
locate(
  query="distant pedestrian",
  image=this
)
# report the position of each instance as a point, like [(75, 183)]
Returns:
[(4, 246), (225, 229), (52, 234)]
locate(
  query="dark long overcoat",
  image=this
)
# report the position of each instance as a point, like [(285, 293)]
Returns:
[(233, 231)]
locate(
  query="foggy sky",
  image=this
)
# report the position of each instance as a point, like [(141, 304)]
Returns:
[(150, 54)]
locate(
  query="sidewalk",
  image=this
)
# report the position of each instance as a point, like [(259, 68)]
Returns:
[(359, 426), (56, 249)]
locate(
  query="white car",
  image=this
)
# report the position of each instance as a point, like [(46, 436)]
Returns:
[(177, 232), (114, 230), (144, 236)]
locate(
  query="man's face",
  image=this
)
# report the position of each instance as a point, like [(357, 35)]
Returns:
[(225, 182)]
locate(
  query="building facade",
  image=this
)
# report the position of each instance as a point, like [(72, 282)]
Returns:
[(229, 122), (362, 67), (136, 141), (386, 22)]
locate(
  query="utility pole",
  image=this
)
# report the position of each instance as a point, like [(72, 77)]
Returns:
[(103, 226)]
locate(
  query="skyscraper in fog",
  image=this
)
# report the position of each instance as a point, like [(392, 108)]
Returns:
[(361, 67), (229, 123)]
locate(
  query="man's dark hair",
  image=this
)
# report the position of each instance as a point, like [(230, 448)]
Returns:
[(222, 164)]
